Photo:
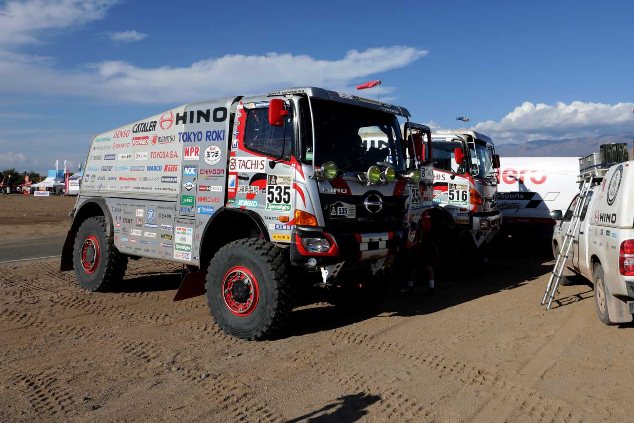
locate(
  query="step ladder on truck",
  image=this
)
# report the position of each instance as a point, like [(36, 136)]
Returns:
[(595, 237)]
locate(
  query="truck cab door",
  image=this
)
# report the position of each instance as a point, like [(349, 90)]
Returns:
[(261, 171)]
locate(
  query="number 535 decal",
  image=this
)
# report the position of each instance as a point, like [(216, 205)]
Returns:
[(278, 197)]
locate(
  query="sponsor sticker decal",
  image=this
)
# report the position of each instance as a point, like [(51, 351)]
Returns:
[(191, 152), (281, 237), (247, 164), (205, 210), (212, 155), (187, 200)]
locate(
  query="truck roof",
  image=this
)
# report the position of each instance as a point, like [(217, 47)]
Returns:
[(474, 134), (344, 98)]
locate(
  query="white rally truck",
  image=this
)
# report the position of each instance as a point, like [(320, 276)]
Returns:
[(258, 194), (530, 188), (603, 248), (466, 217)]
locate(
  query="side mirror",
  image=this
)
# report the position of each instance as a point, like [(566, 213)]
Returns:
[(277, 112), (557, 214), (496, 161), (458, 155)]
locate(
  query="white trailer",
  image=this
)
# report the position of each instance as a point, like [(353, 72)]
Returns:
[(530, 188)]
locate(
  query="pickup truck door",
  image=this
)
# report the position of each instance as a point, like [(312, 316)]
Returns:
[(562, 228), (580, 246)]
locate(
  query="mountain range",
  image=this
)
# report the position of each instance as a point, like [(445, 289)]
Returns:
[(577, 147)]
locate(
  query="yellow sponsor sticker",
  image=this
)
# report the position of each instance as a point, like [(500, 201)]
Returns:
[(281, 237)]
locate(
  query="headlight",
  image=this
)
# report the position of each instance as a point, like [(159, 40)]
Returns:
[(316, 245), (414, 175), (329, 170), (374, 174), (390, 174)]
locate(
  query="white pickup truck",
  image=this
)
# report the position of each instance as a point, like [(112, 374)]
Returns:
[(603, 249)]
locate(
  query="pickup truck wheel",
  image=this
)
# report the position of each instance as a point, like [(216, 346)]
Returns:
[(248, 291), (98, 264), (601, 295)]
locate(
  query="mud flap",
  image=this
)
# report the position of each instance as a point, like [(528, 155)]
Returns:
[(66, 262), (618, 310), (192, 285)]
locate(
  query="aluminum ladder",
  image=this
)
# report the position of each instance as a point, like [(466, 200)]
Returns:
[(560, 264)]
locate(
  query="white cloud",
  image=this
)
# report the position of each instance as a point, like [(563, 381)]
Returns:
[(38, 148), (10, 159), (127, 36), (214, 77), (559, 121), (21, 22)]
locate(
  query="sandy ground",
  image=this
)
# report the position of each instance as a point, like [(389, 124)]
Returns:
[(479, 350), (28, 216)]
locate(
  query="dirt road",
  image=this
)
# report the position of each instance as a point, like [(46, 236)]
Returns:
[(480, 350), (33, 226)]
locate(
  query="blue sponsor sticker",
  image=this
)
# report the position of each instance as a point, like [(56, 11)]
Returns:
[(150, 215), (205, 210), (190, 170)]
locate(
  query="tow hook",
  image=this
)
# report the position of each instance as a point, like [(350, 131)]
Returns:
[(328, 273)]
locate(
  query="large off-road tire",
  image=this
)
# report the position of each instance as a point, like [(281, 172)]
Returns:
[(248, 291), (600, 295), (98, 264)]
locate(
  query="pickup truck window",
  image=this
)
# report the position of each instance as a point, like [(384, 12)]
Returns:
[(571, 209), (585, 206)]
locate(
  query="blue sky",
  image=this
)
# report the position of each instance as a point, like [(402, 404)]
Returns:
[(519, 70)]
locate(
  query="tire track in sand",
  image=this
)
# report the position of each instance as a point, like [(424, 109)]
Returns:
[(514, 393)]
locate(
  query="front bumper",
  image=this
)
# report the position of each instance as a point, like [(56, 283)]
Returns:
[(351, 248), (486, 221)]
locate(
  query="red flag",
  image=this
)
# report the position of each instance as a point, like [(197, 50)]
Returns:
[(369, 84)]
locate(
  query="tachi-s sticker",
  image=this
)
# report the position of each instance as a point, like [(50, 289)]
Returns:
[(212, 154)]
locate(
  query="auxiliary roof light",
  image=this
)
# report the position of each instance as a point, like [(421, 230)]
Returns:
[(329, 170), (389, 174), (374, 174), (414, 176)]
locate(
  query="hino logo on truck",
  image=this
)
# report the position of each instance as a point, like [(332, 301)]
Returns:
[(219, 114), (601, 217)]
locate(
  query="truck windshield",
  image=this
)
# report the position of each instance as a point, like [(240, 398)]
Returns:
[(443, 154), (482, 155), (355, 137)]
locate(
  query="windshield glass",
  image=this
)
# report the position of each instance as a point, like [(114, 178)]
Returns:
[(355, 137), (443, 154), (481, 155)]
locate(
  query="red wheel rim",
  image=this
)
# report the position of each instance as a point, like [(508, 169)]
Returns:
[(90, 254), (240, 290)]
